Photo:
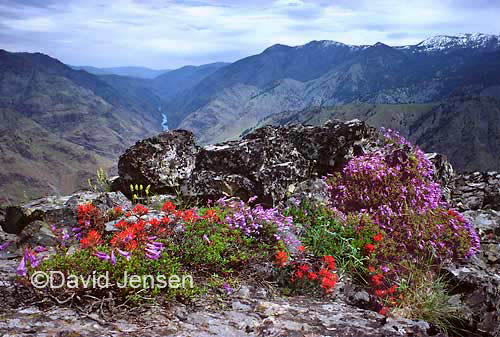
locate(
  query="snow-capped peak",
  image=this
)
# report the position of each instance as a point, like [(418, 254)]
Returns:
[(330, 44), (444, 42)]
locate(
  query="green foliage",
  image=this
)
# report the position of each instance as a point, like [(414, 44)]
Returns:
[(86, 266), (214, 247), (326, 234), (426, 297)]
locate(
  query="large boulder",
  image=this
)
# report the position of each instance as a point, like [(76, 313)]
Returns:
[(267, 163), (162, 161)]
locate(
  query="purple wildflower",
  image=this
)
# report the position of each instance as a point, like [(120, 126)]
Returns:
[(21, 268), (227, 288), (153, 249), (123, 253), (206, 239), (5, 245), (113, 258), (102, 256)]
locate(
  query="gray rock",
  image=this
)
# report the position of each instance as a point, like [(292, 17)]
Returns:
[(443, 173), (163, 162), (314, 190), (58, 210), (243, 292), (477, 190), (268, 162), (477, 281)]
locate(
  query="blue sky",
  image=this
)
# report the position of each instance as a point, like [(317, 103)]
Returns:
[(172, 33)]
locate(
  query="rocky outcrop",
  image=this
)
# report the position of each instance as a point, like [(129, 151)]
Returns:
[(477, 282), (477, 190), (443, 173), (268, 163), (58, 210), (276, 164), (248, 312)]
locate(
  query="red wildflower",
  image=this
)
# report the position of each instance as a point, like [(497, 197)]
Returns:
[(140, 210), (122, 224), (327, 283), (377, 279), (383, 311), (211, 215), (378, 237), (380, 292), (189, 215), (165, 220), (369, 247), (168, 207), (128, 214), (86, 213), (154, 222), (92, 239), (304, 268), (131, 245), (281, 258), (371, 269), (312, 276), (324, 272), (86, 209), (392, 289), (301, 249), (330, 261), (299, 274)]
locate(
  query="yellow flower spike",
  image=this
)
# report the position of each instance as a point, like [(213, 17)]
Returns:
[(131, 188), (140, 187), (136, 187)]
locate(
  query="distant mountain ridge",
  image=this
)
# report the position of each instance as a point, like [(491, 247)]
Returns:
[(59, 124), (139, 72), (327, 73)]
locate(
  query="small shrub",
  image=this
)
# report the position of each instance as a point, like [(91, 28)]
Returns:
[(404, 225), (394, 186), (215, 247)]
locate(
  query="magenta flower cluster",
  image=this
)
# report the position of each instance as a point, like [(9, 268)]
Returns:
[(395, 186)]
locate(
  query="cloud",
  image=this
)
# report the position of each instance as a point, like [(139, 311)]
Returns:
[(172, 33)]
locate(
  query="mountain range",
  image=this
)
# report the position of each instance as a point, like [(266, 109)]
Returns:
[(326, 73), (139, 72), (59, 123), (453, 81)]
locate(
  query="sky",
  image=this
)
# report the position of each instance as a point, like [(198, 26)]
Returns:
[(167, 34)]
